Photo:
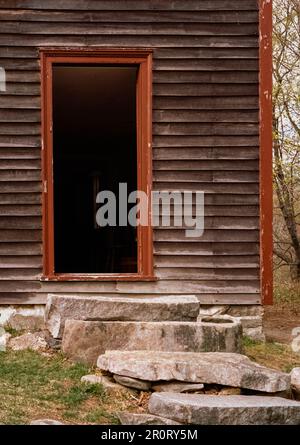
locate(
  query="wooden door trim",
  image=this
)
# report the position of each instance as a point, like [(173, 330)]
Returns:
[(115, 56)]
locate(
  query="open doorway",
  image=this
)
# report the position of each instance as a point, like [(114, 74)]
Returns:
[(94, 149)]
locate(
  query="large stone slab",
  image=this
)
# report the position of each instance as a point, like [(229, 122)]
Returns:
[(59, 308), (86, 340), (225, 410), (220, 368)]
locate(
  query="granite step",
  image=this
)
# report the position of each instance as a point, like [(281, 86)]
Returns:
[(198, 409), (59, 308), (228, 369), (84, 341)]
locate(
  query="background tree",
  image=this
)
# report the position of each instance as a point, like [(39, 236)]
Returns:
[(286, 133)]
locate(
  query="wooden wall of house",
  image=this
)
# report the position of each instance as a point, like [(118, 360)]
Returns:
[(205, 137)]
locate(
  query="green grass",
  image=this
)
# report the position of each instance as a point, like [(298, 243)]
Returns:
[(35, 386), (271, 354), (13, 332), (286, 291)]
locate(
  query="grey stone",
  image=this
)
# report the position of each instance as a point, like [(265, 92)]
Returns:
[(295, 382), (4, 340), (234, 310), (111, 387), (244, 310), (249, 322), (144, 419), (85, 340), (62, 307), (283, 394), (252, 326), (256, 334), (22, 317), (226, 369), (46, 422), (178, 387), (141, 385), (198, 409), (31, 323), (211, 310), (93, 379), (34, 341)]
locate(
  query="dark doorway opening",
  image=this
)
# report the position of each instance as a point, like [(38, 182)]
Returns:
[(94, 149)]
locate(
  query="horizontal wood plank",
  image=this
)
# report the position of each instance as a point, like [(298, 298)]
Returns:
[(220, 233), (130, 16), (205, 153), (189, 116), (204, 141), (203, 262), (15, 249), (205, 103), (213, 247), (222, 77), (147, 40), (205, 176), (21, 235), (20, 222), (20, 262), (135, 5), (60, 28), (210, 165), (20, 210), (207, 274)]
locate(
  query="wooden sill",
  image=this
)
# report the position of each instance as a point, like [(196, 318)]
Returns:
[(98, 277)]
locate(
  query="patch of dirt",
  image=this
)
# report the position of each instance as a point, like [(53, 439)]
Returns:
[(279, 322)]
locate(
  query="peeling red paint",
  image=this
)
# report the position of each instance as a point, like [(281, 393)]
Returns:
[(266, 179)]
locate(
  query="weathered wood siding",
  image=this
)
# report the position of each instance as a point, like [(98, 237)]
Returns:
[(205, 137)]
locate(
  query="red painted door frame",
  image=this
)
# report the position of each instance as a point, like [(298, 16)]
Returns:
[(138, 57)]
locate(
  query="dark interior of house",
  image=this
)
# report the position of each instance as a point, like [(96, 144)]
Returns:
[(94, 149)]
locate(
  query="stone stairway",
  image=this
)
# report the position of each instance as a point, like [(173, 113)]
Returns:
[(255, 395), (59, 308), (159, 344), (91, 325)]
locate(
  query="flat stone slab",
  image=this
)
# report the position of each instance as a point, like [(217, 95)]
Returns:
[(144, 419), (226, 369), (111, 388), (140, 385), (35, 341), (85, 340), (225, 410), (59, 308)]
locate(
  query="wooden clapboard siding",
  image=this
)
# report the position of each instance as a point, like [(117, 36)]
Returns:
[(205, 137)]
